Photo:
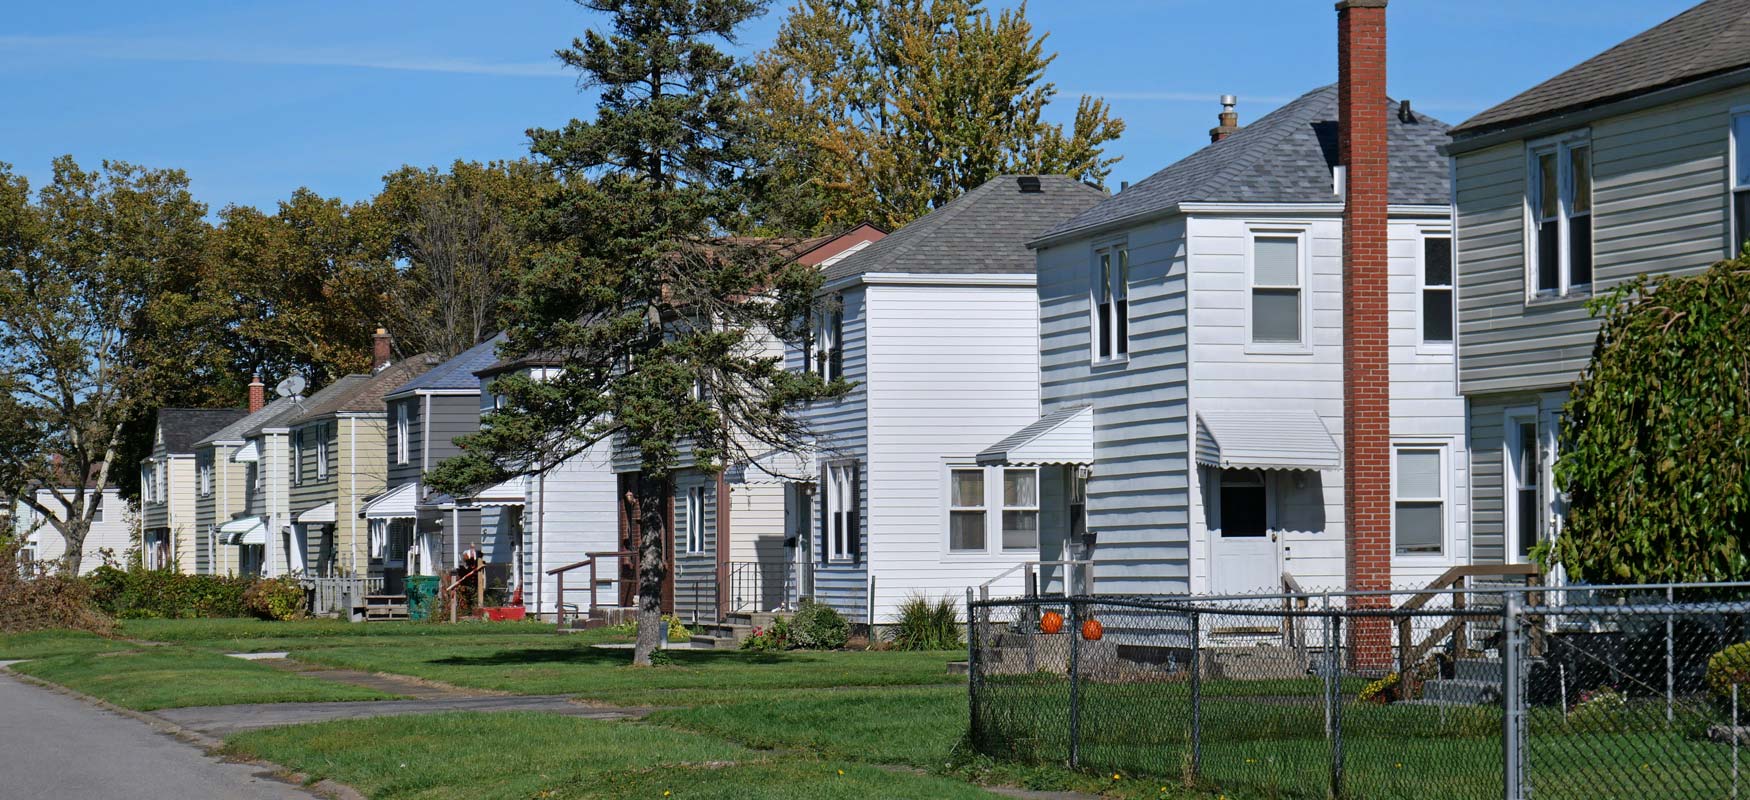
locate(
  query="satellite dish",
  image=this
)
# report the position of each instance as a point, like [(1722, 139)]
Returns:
[(292, 386)]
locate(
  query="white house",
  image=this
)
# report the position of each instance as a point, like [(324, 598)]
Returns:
[(1192, 372), (109, 533), (937, 326)]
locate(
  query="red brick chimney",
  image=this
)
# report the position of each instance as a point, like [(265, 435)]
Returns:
[(1230, 120), (1361, 146), (380, 349), (257, 394)]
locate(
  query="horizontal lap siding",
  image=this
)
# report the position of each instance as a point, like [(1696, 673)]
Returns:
[(695, 592), (400, 472), (182, 513), (362, 457), (1138, 496), (841, 430), (953, 369), (1660, 206), (578, 515), (205, 514)]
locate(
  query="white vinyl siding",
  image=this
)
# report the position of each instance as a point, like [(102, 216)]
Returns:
[(1277, 299), (1419, 505)]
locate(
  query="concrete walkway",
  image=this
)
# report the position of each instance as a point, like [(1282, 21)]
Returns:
[(56, 745)]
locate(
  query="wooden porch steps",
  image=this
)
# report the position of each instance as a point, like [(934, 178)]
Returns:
[(383, 607)]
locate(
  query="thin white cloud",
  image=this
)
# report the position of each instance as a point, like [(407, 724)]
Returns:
[(128, 49)]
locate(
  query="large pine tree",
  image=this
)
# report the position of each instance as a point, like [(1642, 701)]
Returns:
[(650, 315)]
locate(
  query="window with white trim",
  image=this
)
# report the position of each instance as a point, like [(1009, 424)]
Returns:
[(97, 510), (401, 425), (1436, 311), (206, 477), (1740, 181), (1111, 302), (321, 452), (826, 345), (695, 514), (839, 525), (1524, 459), (298, 457), (966, 509), (1419, 500), (1020, 508), (1276, 297), (149, 483), (1559, 195)]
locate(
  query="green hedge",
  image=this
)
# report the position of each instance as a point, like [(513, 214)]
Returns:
[(158, 594)]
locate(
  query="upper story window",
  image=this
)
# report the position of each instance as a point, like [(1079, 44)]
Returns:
[(1437, 288), (149, 484), (205, 477), (321, 452), (1740, 181), (1560, 199), (1111, 302), (401, 425), (1277, 296), (824, 351), (1419, 501), (695, 511), (97, 510), (298, 457)]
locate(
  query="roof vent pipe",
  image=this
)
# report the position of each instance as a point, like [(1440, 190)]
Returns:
[(1405, 115)]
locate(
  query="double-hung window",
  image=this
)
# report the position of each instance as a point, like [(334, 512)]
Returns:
[(1740, 181), (828, 354), (966, 509), (1276, 291), (1419, 501), (1111, 301), (839, 521), (1524, 483), (97, 510), (401, 425), (1020, 508), (1437, 288), (1561, 216), (695, 511), (298, 457), (206, 478), (321, 452)]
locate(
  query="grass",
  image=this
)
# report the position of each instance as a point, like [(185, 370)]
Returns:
[(43, 644), (913, 727), (174, 677), (466, 756), (254, 635)]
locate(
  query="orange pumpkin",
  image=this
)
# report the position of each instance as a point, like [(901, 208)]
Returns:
[(1092, 630), (1052, 622)]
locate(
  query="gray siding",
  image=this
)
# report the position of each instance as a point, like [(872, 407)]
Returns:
[(841, 428), (695, 593), (400, 473), (1660, 206)]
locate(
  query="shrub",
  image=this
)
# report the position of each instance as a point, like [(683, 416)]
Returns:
[(925, 624), (677, 630), (44, 602), (1379, 691), (770, 638), (1728, 667), (160, 594), (819, 627), (1599, 711), (278, 598)]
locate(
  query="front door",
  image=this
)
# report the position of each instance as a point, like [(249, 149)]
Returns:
[(1244, 554)]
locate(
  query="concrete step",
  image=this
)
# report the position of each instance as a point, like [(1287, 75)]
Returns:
[(1477, 669), (721, 631), (755, 619), (1462, 692), (715, 642)]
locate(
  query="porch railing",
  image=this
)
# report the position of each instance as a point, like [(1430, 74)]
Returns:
[(591, 562), (336, 594)]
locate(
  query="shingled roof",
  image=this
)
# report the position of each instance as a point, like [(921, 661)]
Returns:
[(364, 393), (237, 431), (1709, 39), (984, 231), (180, 428), (1287, 156), (456, 373), (289, 411)]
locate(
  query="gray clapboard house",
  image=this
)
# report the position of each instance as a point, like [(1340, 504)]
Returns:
[(1191, 367), (168, 525), (1636, 161), (937, 326), (222, 489)]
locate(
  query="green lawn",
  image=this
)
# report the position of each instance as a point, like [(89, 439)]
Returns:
[(467, 756), (256, 636), (173, 677), (42, 644)]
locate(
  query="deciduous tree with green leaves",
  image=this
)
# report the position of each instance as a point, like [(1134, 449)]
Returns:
[(648, 321), (882, 110), (1655, 437)]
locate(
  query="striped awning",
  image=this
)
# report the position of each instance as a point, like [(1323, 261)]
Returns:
[(1064, 436), (244, 530), (1254, 439), (401, 502)]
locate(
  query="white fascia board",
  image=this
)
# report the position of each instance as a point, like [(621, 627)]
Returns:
[(921, 279)]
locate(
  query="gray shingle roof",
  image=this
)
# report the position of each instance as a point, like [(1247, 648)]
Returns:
[(1287, 156), (364, 393), (238, 431), (182, 427), (1708, 39), (984, 231), (458, 372), (289, 412)]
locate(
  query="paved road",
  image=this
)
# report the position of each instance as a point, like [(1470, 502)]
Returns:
[(52, 745)]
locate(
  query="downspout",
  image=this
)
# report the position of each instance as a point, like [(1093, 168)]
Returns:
[(541, 542), (352, 469)]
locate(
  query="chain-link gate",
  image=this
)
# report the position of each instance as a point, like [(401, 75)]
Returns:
[(1472, 693)]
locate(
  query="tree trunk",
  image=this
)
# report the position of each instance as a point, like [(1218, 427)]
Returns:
[(652, 568), (74, 534)]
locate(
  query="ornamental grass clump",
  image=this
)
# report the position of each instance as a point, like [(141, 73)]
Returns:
[(926, 624)]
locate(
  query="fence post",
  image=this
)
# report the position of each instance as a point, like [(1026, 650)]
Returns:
[(1671, 657), (1333, 695), (1512, 697), (1075, 688), (974, 635), (1196, 695)]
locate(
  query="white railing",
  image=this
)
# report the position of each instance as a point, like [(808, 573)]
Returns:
[(337, 594)]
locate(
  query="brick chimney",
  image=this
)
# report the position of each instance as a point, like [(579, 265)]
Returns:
[(381, 349), (1361, 147), (257, 394), (1230, 120)]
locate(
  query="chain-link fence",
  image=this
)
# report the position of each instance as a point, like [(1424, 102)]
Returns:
[(1467, 693)]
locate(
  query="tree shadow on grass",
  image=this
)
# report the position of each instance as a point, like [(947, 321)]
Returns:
[(600, 657)]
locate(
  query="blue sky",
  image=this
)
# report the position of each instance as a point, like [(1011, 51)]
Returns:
[(255, 99)]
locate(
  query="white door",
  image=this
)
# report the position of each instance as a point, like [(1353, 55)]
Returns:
[(1244, 558)]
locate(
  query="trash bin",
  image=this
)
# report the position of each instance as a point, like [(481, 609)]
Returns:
[(422, 591)]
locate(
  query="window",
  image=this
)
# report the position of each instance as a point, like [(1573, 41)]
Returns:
[(1244, 508), (966, 519), (401, 432), (695, 514), (1437, 289), (206, 478), (1524, 479), (97, 510), (1276, 295), (827, 345), (1020, 509), (1740, 182), (321, 452), (1419, 502), (1561, 217), (1111, 294), (149, 484), (297, 457), (839, 522)]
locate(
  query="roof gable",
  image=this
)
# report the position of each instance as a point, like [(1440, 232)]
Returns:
[(456, 373), (364, 394), (237, 431), (1708, 39), (180, 428)]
